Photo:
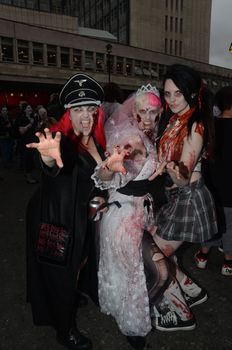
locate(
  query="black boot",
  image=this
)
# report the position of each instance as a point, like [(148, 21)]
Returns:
[(75, 340), (136, 342), (82, 300)]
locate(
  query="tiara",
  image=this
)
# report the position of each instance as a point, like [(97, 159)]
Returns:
[(148, 88)]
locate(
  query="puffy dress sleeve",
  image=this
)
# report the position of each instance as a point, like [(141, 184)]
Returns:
[(118, 180)]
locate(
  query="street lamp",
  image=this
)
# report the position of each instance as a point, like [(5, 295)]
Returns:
[(109, 50)]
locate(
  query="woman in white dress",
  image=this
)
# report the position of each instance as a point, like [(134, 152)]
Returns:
[(133, 272)]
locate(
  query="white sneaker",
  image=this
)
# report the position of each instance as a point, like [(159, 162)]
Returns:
[(226, 270), (201, 260)]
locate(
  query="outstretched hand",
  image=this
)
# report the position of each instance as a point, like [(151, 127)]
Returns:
[(114, 162), (48, 146), (178, 171)]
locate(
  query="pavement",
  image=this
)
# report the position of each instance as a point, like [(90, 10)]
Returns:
[(17, 332)]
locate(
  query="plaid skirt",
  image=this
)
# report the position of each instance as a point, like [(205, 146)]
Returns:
[(189, 215)]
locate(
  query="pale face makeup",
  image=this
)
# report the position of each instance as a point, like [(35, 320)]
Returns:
[(82, 118), (146, 113), (175, 98)]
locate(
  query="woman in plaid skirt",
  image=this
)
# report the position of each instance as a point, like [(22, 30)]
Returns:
[(189, 214)]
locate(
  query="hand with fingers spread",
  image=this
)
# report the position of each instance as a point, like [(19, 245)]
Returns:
[(114, 162), (49, 147)]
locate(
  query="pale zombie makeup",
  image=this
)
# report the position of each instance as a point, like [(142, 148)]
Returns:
[(148, 110), (82, 118), (175, 98)]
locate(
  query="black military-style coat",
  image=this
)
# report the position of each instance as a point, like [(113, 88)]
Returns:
[(63, 198)]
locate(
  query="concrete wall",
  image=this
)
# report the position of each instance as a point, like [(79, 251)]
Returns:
[(196, 29), (147, 26)]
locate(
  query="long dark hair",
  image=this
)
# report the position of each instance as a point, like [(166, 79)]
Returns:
[(189, 82)]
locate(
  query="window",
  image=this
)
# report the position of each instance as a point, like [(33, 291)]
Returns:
[(7, 50), (125, 6), (44, 5), (171, 24), (154, 70), (57, 6), (77, 59), (23, 51), (176, 46), (181, 25), (64, 56), (120, 9), (177, 5), (99, 62), (37, 50), (138, 69), (181, 4), (166, 23), (89, 63), (51, 55), (119, 65), (33, 4), (146, 70), (7, 2), (176, 24), (170, 46), (20, 3), (166, 45), (128, 66), (180, 48)]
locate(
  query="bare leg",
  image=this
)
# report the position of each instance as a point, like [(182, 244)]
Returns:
[(169, 248), (163, 289)]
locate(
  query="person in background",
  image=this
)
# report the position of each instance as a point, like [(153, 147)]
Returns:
[(44, 121), (218, 177), (6, 139), (189, 214), (27, 124), (69, 152)]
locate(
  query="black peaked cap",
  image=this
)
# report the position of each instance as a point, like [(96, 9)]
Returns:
[(80, 90)]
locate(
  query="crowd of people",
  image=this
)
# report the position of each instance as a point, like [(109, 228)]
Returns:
[(124, 183), (18, 127)]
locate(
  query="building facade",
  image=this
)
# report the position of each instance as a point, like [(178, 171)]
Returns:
[(175, 27), (38, 53)]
